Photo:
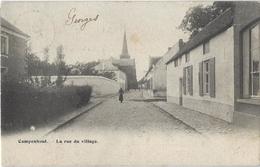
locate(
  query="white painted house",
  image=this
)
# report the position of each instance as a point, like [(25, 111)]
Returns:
[(154, 84), (155, 80), (206, 74)]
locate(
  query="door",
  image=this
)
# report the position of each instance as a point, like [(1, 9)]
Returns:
[(180, 91)]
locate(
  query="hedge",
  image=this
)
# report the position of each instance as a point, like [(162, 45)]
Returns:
[(24, 106)]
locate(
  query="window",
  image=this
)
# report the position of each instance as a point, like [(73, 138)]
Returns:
[(187, 57), (255, 60), (206, 47), (251, 61), (4, 53), (4, 45), (207, 77), (187, 80)]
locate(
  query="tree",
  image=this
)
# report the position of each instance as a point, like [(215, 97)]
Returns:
[(32, 64), (199, 16), (46, 78), (61, 67), (36, 67), (32, 67), (89, 69), (46, 54), (83, 68)]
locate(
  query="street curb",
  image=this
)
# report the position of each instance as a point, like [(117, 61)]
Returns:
[(247, 114), (71, 119), (186, 124)]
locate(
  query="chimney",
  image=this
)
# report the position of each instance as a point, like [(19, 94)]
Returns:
[(181, 43)]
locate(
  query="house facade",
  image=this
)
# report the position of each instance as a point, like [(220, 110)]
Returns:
[(151, 85), (13, 50), (210, 71), (155, 81)]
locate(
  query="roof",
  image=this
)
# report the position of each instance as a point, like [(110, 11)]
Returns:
[(164, 58), (141, 80), (215, 27), (153, 61), (124, 53), (171, 52), (9, 26)]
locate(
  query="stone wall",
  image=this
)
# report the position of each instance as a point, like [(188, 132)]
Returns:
[(101, 85)]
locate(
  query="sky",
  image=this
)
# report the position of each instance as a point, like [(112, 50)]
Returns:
[(151, 27)]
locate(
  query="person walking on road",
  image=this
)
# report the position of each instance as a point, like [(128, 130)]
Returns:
[(121, 92)]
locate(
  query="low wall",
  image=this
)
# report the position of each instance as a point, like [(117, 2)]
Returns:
[(100, 85)]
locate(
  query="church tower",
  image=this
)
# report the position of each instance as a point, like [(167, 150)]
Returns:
[(127, 65), (124, 54)]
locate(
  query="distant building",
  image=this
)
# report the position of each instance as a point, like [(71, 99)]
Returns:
[(155, 80), (217, 71), (147, 81), (13, 50), (125, 65), (108, 66)]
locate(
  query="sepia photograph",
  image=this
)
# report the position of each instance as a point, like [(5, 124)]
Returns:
[(130, 83)]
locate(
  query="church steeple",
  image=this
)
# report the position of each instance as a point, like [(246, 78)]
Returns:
[(124, 54)]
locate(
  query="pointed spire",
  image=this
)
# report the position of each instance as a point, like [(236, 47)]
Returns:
[(124, 54), (125, 50)]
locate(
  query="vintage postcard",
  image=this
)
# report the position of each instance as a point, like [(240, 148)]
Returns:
[(130, 83)]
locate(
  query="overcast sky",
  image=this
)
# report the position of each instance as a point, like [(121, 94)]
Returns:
[(151, 28)]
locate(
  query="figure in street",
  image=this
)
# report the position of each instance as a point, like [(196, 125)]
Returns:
[(121, 92)]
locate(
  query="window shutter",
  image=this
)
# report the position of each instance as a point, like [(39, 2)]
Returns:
[(191, 81), (184, 81), (212, 77), (201, 79)]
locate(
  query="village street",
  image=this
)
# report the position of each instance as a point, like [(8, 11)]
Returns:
[(130, 84), (134, 115), (134, 132)]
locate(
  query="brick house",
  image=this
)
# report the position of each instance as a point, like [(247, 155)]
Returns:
[(217, 71), (13, 49)]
